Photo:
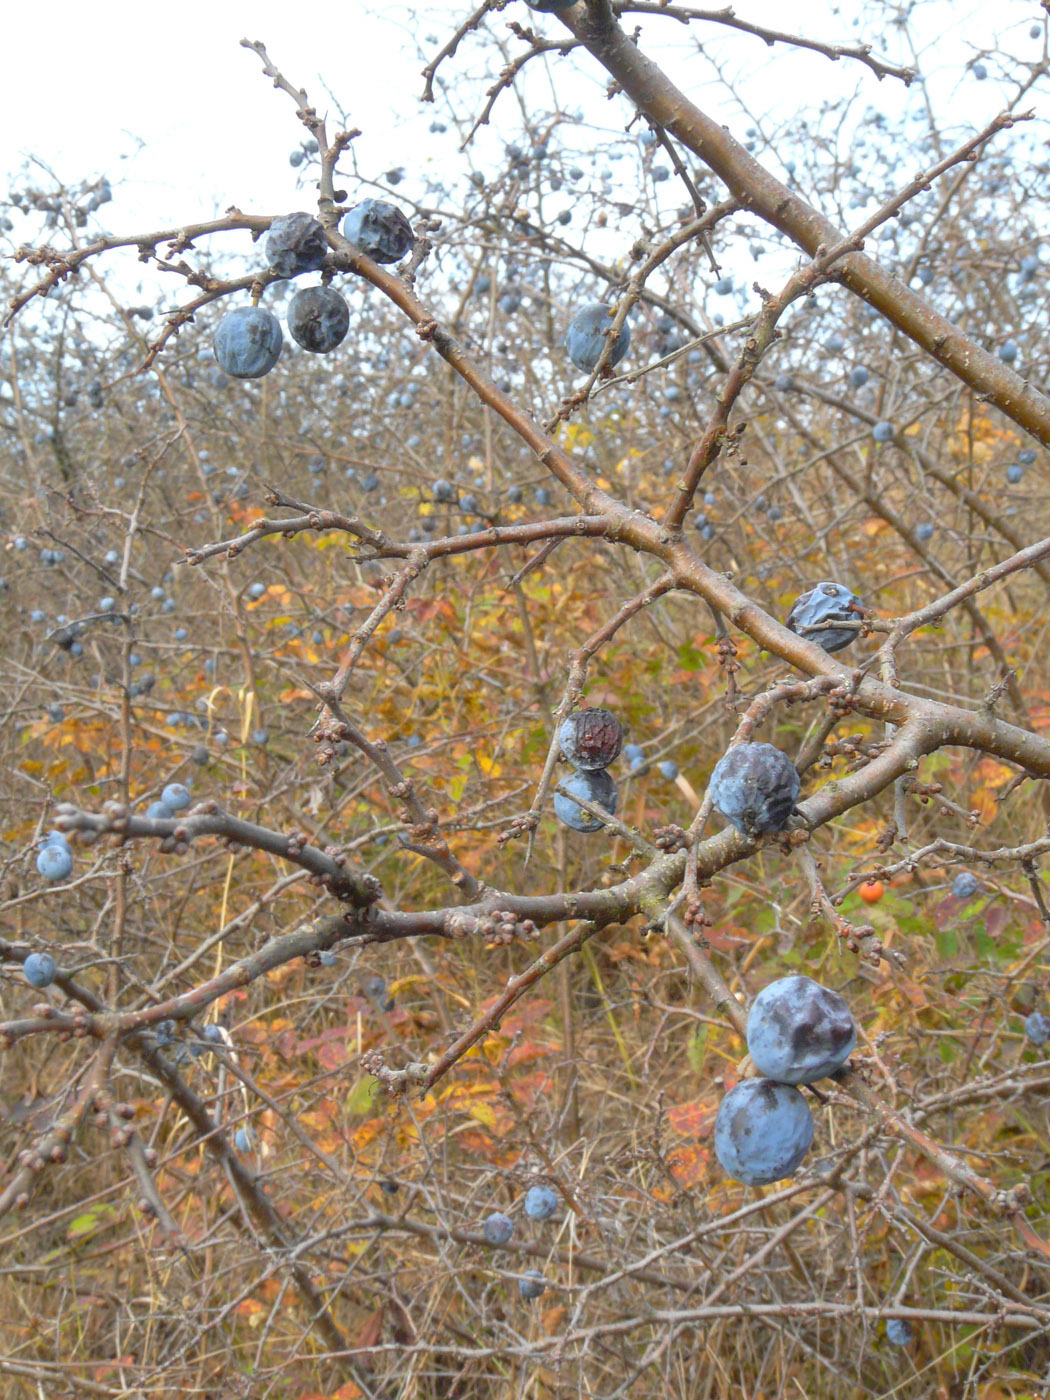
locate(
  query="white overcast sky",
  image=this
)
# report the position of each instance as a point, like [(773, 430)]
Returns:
[(164, 101)]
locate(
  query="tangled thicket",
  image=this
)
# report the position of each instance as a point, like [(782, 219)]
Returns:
[(349, 604)]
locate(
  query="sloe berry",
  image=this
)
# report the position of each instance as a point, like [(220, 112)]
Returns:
[(248, 342), (498, 1228), (586, 338), (965, 885), (55, 862), (754, 786), (39, 969), (590, 739), (798, 1031), (812, 615), (176, 796), (295, 244), (318, 319), (593, 785), (762, 1131), (541, 1203), (1036, 1026), (379, 229)]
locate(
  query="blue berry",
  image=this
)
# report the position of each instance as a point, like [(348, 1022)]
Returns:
[(1027, 457), (159, 811), (783, 383), (176, 796), (379, 229), (898, 1331), (541, 1203), (723, 286), (669, 769), (498, 1228), (859, 376), (248, 342), (590, 739), (295, 244), (812, 615), (242, 1140), (965, 885), (762, 1131), (1014, 473), (799, 1032), (1008, 352), (754, 786), (39, 969), (883, 432), (54, 862), (1037, 1028), (586, 338), (532, 1283), (444, 490), (593, 785), (318, 319), (924, 532)]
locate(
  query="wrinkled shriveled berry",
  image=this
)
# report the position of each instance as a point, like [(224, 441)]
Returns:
[(295, 244), (824, 615), (318, 319), (379, 229), (591, 739), (754, 786)]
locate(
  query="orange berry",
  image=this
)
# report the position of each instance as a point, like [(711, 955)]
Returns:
[(872, 891)]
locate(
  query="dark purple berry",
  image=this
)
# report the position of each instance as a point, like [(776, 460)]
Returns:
[(591, 739)]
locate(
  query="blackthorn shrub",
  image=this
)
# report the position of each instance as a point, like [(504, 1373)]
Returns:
[(590, 739), (586, 338), (762, 1131), (295, 244), (754, 786), (593, 785), (379, 229), (318, 319), (814, 614), (798, 1031), (248, 342)]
